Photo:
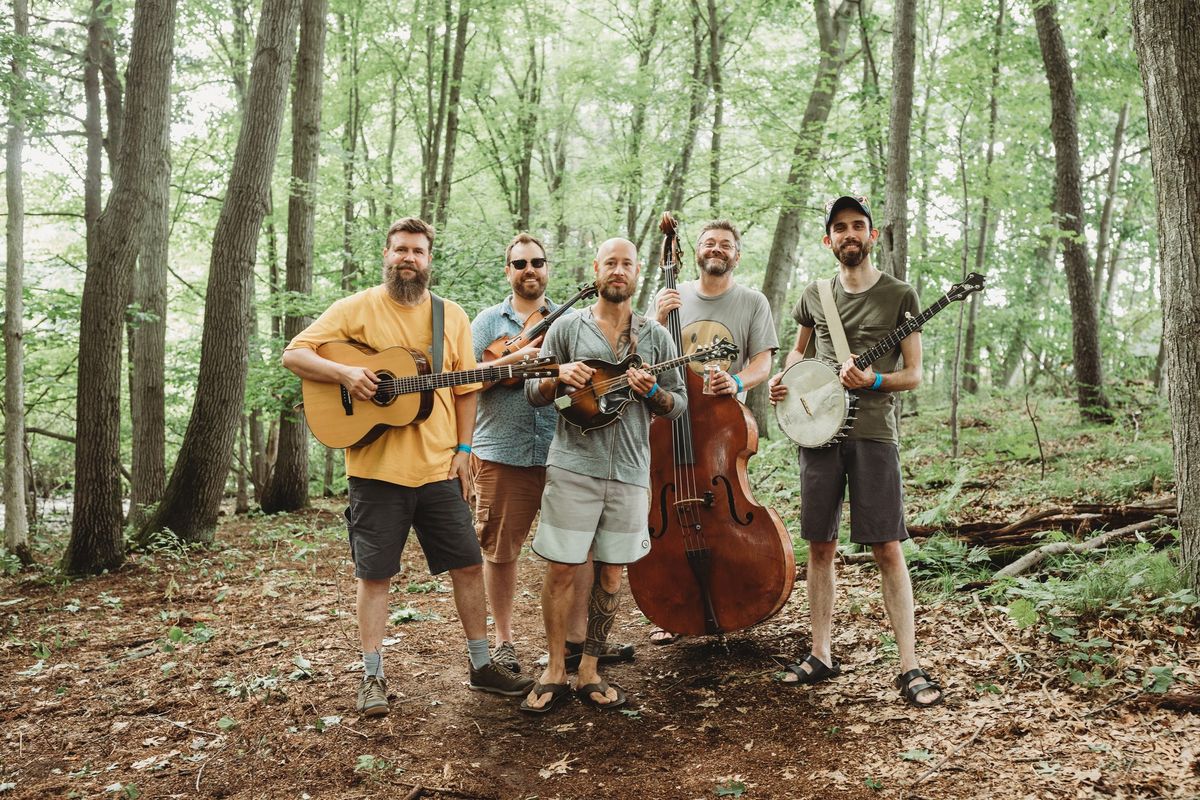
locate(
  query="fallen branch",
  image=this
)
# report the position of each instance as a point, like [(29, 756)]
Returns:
[(996, 636), (1030, 560), (936, 767)]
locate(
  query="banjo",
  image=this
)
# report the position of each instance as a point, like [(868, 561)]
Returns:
[(817, 410)]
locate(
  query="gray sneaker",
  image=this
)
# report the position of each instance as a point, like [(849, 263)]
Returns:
[(506, 656), (372, 697), (494, 678)]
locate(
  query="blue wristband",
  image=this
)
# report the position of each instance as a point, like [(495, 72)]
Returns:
[(878, 381), (463, 448), (738, 381), (650, 393)]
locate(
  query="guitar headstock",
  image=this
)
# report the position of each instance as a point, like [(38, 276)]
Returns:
[(529, 368), (969, 285), (718, 350)]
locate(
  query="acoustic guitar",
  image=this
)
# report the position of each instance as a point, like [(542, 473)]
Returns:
[(818, 411), (404, 395), (607, 392)]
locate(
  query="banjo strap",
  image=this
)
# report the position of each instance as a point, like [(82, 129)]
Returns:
[(833, 320)]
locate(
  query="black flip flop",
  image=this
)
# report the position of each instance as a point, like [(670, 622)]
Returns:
[(584, 693), (558, 693), (820, 671)]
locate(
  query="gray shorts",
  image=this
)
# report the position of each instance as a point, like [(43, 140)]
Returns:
[(872, 470), (582, 513), (381, 513)]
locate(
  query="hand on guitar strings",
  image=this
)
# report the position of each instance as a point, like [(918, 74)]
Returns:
[(575, 374), (361, 382), (666, 301), (855, 378)]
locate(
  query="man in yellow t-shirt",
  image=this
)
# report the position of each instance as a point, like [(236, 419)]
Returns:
[(412, 476)]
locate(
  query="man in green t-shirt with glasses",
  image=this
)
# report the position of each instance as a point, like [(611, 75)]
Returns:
[(870, 304)]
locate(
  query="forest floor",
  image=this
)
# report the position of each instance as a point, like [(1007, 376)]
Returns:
[(231, 672)]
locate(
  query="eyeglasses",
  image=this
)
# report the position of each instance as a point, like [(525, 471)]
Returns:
[(713, 244), (536, 263)]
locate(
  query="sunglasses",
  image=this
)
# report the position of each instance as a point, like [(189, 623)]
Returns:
[(536, 263)]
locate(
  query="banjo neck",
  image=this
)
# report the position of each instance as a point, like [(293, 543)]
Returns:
[(885, 345)]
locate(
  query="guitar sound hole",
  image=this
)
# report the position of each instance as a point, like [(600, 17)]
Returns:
[(386, 394)]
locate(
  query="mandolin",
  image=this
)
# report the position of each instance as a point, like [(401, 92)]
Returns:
[(404, 395), (607, 392)]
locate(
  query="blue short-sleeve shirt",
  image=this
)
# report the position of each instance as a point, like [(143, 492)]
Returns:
[(508, 430)]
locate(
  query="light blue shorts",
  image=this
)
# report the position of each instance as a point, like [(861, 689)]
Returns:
[(582, 513)]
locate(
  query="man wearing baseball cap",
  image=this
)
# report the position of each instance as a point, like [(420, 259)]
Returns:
[(870, 304)]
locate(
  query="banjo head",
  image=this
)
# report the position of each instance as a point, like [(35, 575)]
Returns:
[(817, 408)]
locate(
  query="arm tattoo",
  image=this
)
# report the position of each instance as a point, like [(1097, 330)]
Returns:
[(662, 402), (602, 611)]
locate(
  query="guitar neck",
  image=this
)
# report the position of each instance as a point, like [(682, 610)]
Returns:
[(442, 380), (894, 338)]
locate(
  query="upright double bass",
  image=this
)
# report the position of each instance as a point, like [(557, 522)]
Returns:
[(718, 560)]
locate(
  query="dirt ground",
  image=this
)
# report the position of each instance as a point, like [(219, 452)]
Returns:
[(231, 673)]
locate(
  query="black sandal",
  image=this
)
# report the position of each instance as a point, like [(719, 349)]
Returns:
[(911, 693), (819, 671)]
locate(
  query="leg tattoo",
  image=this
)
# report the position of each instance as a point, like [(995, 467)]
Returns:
[(602, 611)]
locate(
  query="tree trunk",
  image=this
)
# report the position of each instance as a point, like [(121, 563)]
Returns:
[(193, 496), (288, 488), (435, 113), (96, 538), (895, 204), (453, 105), (715, 42), (147, 347), (1166, 34), (1110, 196), (349, 145), (630, 193), (93, 176), (970, 347), (16, 521), (1089, 373), (674, 182), (781, 262)]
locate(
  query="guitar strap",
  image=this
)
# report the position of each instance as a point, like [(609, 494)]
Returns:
[(833, 320), (439, 328)]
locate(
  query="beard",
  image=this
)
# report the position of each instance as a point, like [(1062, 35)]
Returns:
[(406, 290), (616, 293), (521, 289), (715, 265), (854, 257)]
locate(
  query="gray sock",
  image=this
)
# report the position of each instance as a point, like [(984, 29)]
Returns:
[(373, 664), (477, 649)]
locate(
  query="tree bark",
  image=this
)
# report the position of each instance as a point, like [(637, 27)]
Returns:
[(16, 520), (435, 113), (147, 345), (1110, 196), (1166, 35), (193, 496), (96, 537), (781, 262), (287, 489), (453, 107), (1089, 373), (895, 205), (715, 44), (970, 347)]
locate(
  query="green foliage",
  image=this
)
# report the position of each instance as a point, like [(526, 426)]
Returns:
[(410, 614), (945, 560)]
